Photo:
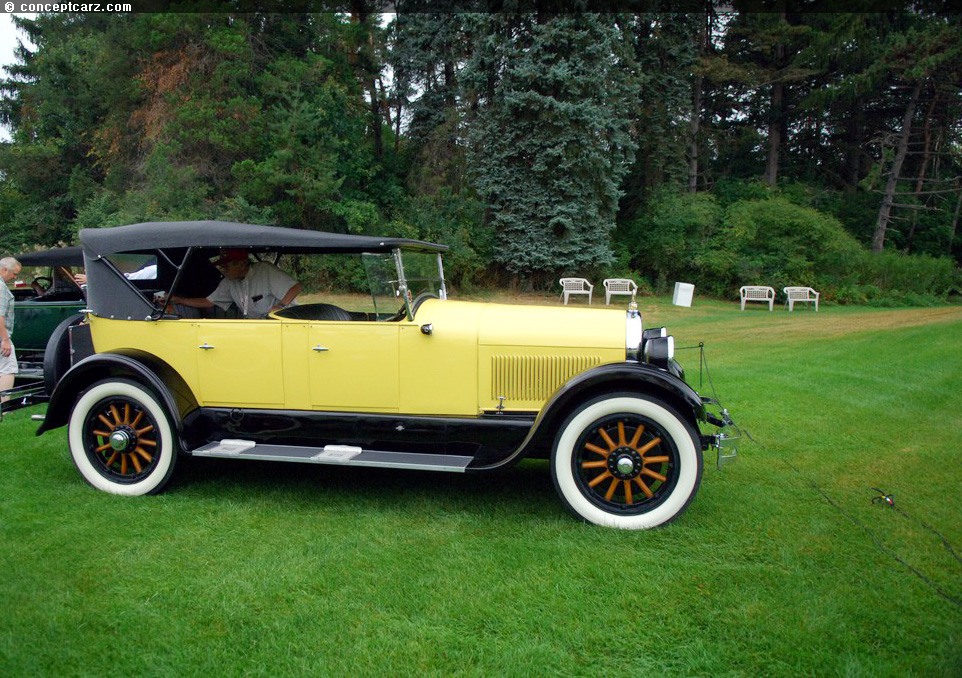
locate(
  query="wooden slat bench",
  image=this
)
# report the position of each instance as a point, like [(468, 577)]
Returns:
[(758, 293)]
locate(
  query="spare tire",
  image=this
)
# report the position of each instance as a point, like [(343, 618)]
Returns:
[(56, 357)]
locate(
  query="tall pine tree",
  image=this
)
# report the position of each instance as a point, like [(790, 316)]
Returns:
[(551, 144)]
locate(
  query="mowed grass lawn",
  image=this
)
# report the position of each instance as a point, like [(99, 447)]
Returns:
[(783, 565)]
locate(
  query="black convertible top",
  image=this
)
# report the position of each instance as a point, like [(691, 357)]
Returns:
[(163, 234), (57, 256)]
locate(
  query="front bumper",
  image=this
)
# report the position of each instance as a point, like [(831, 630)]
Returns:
[(725, 441)]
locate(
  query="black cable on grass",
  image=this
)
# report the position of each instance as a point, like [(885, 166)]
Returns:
[(919, 521), (938, 590)]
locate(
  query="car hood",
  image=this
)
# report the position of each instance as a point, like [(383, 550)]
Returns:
[(532, 326)]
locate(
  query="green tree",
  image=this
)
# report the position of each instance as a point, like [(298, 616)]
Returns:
[(550, 143)]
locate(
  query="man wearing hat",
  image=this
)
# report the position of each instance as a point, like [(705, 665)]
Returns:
[(255, 288)]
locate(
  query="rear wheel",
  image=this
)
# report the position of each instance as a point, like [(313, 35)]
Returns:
[(627, 461), (121, 439)]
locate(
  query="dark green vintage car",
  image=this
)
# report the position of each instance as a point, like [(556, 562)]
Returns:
[(45, 308)]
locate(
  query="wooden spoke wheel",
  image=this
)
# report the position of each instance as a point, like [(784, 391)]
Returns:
[(627, 461), (121, 438)]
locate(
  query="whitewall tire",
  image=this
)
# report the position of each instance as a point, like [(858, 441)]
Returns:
[(626, 461), (121, 439)]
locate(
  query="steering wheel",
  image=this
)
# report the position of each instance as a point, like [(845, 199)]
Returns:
[(41, 284), (400, 315), (65, 272)]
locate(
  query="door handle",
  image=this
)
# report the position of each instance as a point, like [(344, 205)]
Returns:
[(320, 349), (205, 346)]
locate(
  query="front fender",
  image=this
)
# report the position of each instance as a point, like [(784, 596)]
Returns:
[(144, 368), (629, 376)]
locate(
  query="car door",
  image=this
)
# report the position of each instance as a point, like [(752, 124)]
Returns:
[(239, 363), (353, 365)]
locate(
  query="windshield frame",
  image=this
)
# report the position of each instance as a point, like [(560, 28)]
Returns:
[(405, 288)]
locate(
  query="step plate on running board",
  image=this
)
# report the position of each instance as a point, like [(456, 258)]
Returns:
[(343, 455)]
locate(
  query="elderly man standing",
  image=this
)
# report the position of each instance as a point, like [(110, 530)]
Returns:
[(9, 269)]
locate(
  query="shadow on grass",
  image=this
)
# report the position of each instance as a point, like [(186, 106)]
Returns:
[(526, 485)]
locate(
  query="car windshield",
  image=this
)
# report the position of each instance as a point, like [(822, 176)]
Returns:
[(400, 282)]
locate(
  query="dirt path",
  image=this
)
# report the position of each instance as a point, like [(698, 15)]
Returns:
[(824, 325)]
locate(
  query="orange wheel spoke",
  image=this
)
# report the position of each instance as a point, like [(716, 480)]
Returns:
[(600, 478), (140, 415), (656, 460), (611, 489), (142, 431), (136, 462), (106, 421), (102, 434), (622, 441), (148, 442), (126, 413), (644, 488), (635, 438), (594, 464), (144, 454), (607, 438), (102, 448), (113, 458), (123, 464), (649, 445), (597, 450), (651, 474), (116, 414), (628, 498)]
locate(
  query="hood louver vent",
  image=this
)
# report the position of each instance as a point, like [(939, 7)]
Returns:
[(528, 379)]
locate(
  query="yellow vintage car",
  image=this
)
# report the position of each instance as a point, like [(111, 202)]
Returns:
[(414, 381)]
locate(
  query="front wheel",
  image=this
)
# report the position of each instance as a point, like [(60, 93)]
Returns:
[(121, 439), (626, 461)]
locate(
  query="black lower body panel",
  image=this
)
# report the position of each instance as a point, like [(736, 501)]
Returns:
[(488, 440)]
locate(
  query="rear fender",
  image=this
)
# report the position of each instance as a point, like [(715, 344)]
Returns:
[(143, 368)]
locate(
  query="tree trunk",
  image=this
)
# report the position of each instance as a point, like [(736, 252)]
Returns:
[(363, 62), (885, 211), (693, 133), (774, 133), (955, 221), (854, 136), (920, 182), (776, 114)]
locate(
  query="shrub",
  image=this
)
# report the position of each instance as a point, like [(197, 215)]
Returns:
[(667, 242), (776, 242), (908, 279)]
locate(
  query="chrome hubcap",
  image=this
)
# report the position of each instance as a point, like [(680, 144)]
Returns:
[(119, 440)]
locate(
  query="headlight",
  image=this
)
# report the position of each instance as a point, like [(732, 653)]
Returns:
[(659, 351), (654, 333)]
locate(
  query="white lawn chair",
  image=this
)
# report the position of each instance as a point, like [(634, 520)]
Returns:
[(758, 293), (619, 286), (794, 294), (571, 286)]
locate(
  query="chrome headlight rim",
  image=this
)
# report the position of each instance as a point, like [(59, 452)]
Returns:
[(634, 335)]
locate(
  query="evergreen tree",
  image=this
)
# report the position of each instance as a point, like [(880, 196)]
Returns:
[(550, 143)]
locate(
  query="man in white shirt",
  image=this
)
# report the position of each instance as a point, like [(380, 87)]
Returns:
[(255, 288)]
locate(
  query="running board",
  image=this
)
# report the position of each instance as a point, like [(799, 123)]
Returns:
[(343, 455)]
